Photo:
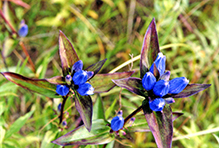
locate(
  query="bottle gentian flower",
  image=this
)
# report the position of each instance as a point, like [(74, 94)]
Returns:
[(23, 29), (117, 122)]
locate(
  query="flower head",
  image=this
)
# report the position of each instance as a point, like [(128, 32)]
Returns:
[(117, 122), (23, 29)]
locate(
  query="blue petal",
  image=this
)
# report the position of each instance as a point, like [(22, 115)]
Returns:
[(157, 104), (64, 123), (161, 88), (148, 81), (117, 123), (89, 74), (85, 89), (23, 30), (59, 106), (77, 66), (80, 77), (62, 90), (177, 85), (165, 76), (160, 63), (169, 100)]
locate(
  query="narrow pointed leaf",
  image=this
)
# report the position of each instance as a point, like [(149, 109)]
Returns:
[(67, 53), (84, 106), (132, 84), (191, 89), (160, 124), (150, 48), (99, 134), (176, 115), (103, 82), (58, 80), (40, 86), (98, 110), (96, 67)]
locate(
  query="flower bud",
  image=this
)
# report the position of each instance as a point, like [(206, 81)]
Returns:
[(157, 104), (85, 89), (80, 77), (148, 81), (165, 76), (64, 123), (177, 85), (77, 66), (23, 29), (169, 100), (89, 74), (62, 90), (68, 79), (160, 63), (161, 88), (117, 123), (59, 106)]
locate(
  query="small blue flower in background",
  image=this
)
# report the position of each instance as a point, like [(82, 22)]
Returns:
[(59, 106), (78, 80), (162, 86), (117, 122), (23, 29)]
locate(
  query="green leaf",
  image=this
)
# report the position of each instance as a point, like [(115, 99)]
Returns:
[(150, 48), (132, 84), (160, 124), (98, 111), (103, 82), (96, 67), (58, 80), (67, 53), (40, 86), (99, 134), (2, 135), (84, 106), (16, 126), (46, 143)]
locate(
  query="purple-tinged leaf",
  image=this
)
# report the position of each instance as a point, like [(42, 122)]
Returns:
[(103, 82), (99, 134), (67, 54), (132, 84), (150, 48), (176, 115), (160, 124), (58, 80), (191, 89), (84, 106), (96, 67), (41, 86)]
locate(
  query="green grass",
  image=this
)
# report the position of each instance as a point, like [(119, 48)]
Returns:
[(188, 33)]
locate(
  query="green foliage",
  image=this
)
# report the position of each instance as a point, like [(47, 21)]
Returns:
[(188, 36)]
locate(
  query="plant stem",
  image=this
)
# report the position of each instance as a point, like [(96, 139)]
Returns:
[(62, 109), (132, 114)]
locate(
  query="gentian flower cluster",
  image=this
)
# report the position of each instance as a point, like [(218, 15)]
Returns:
[(117, 122), (77, 80), (23, 29), (159, 87)]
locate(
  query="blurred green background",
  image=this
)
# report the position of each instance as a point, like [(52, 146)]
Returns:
[(188, 32)]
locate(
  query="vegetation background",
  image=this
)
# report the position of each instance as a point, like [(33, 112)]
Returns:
[(188, 32)]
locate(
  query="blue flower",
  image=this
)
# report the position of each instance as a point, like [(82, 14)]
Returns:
[(85, 89), (157, 104), (160, 63), (177, 85), (148, 81), (162, 86), (62, 90), (23, 29), (117, 122), (77, 81), (59, 106)]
